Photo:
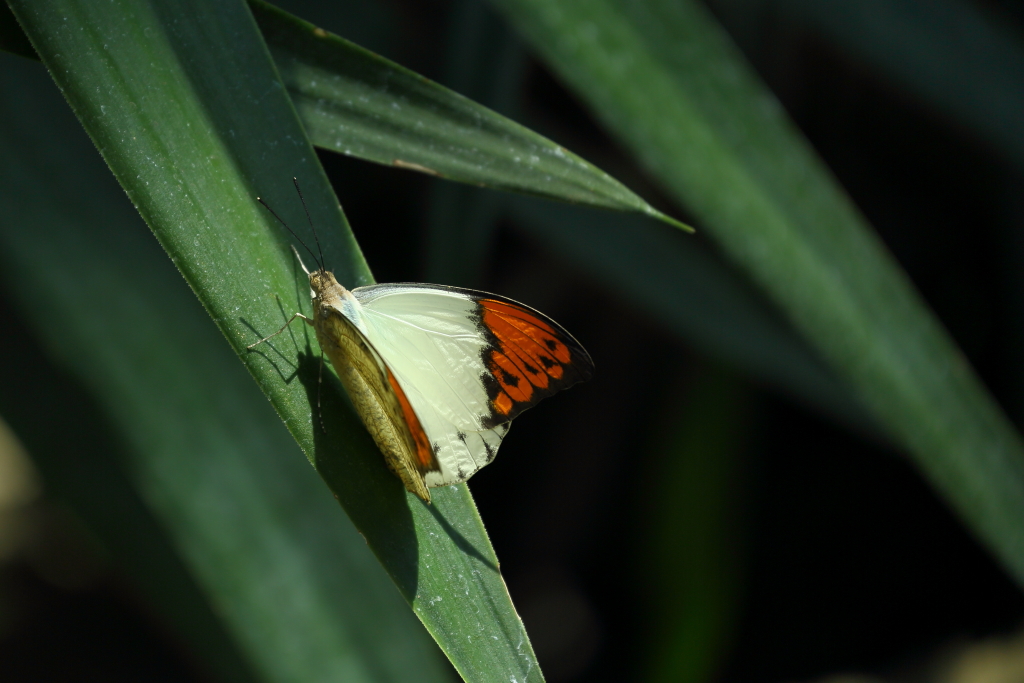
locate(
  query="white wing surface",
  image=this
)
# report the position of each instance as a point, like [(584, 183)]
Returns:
[(432, 341), (469, 362)]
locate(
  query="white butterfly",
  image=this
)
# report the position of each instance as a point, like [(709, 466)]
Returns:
[(437, 373)]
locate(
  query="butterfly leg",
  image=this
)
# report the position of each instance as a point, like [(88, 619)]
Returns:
[(283, 328)]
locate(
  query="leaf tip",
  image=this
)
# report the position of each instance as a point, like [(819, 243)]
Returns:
[(672, 221)]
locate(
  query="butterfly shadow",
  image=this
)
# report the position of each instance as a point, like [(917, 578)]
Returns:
[(349, 462), (461, 542)]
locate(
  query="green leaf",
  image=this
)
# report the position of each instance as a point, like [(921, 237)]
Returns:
[(201, 444), (81, 461), (288, 574), (648, 268), (485, 62), (357, 103), (952, 54), (665, 79), (184, 104), (718, 312)]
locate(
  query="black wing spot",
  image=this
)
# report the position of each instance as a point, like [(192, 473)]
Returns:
[(436, 447), (490, 452), (547, 362), (552, 344), (491, 384), (510, 380), (530, 369), (461, 436), (462, 474), (493, 387)]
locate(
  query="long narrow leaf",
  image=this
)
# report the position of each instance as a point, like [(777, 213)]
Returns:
[(662, 76), (357, 103), (951, 53), (485, 62), (289, 576), (184, 104), (81, 461), (716, 313), (648, 268)]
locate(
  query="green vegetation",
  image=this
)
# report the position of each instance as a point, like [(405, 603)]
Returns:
[(197, 108)]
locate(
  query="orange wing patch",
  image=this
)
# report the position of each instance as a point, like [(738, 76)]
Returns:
[(425, 459), (531, 358)]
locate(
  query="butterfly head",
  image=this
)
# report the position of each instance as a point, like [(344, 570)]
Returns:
[(324, 289), (319, 281)]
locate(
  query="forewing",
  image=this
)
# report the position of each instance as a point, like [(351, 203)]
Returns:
[(530, 357), (469, 362)]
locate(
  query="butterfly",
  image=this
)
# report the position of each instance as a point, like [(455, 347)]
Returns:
[(438, 373)]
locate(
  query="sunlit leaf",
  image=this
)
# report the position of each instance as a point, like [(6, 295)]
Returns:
[(184, 104)]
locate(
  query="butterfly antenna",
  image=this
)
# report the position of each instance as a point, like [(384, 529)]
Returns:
[(288, 228), (310, 219)]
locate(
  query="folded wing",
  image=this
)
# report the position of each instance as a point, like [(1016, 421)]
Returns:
[(469, 362)]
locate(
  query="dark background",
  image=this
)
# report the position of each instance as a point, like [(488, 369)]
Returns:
[(803, 547)]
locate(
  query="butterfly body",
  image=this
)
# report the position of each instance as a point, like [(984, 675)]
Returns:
[(369, 383)]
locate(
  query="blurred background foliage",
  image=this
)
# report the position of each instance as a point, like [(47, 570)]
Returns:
[(716, 505)]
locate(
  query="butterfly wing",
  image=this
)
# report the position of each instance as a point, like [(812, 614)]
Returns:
[(529, 357), (469, 362), (378, 398)]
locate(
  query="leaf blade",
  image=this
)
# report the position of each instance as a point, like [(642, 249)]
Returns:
[(200, 445), (359, 104), (666, 80), (184, 104)]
